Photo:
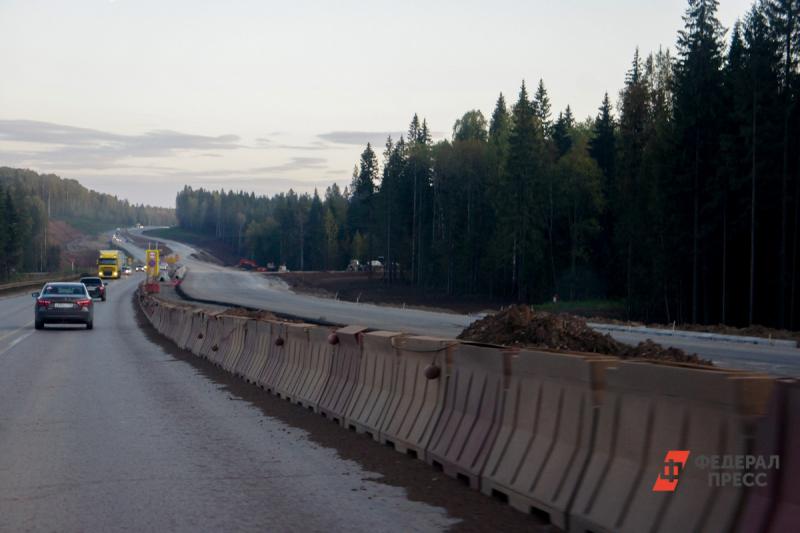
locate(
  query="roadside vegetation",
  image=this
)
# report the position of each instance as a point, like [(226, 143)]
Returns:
[(29, 205), (218, 249), (680, 198)]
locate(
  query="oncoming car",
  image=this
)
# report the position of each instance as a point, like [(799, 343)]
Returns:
[(63, 303)]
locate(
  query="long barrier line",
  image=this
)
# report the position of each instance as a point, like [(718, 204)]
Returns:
[(591, 443)]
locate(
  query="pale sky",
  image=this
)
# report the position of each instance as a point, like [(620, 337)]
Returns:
[(139, 97)]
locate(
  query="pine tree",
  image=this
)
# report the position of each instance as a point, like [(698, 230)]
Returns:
[(315, 240), (698, 78), (361, 209), (562, 131), (784, 20), (12, 245), (520, 181), (630, 208), (602, 148), (541, 108)]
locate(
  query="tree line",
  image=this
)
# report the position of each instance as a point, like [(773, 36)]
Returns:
[(28, 201), (682, 199)]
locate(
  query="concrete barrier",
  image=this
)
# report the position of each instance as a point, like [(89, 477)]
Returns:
[(232, 341), (786, 514), (261, 345), (185, 333), (648, 410), (157, 315), (344, 373), (199, 332), (582, 439), (174, 322), (210, 345), (374, 385), (316, 364), (296, 366), (276, 357), (242, 366), (416, 401), (774, 505), (546, 431), (164, 311), (475, 391)]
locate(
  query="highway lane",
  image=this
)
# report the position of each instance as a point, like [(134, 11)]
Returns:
[(775, 360), (104, 430), (207, 281), (16, 320), (211, 282)]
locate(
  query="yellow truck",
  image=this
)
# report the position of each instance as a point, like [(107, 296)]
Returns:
[(109, 264)]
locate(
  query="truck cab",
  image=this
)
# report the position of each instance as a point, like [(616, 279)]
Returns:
[(109, 264)]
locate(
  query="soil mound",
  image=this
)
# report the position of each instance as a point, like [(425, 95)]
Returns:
[(520, 325)]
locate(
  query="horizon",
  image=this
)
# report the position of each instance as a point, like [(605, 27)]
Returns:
[(140, 99)]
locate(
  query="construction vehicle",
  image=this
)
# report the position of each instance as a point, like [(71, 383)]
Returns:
[(247, 264)]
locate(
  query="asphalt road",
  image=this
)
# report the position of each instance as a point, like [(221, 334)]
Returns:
[(207, 281), (211, 282), (106, 430)]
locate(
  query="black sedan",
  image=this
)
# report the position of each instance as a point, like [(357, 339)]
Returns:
[(97, 287), (63, 303)]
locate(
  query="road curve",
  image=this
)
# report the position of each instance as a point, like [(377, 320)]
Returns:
[(207, 281), (211, 282), (105, 430)]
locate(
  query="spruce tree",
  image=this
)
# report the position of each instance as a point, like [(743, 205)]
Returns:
[(520, 182), (562, 131), (541, 108), (784, 20), (698, 79)]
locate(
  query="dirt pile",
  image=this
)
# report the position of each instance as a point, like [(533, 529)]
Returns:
[(522, 326)]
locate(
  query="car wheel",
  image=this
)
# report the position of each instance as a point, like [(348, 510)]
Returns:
[(38, 324), (90, 324)]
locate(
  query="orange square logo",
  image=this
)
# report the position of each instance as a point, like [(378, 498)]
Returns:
[(674, 463)]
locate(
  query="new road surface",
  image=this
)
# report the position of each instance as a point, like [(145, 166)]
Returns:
[(211, 282), (106, 430)]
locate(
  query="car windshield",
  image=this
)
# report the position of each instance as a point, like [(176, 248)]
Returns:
[(64, 290), (107, 261), (91, 281)]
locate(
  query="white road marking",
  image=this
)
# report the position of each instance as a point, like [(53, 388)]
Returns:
[(15, 342)]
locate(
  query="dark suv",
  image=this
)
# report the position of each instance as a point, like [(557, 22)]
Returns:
[(96, 287)]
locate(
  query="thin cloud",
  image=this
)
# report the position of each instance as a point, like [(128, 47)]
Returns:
[(75, 147), (375, 138), (295, 163), (314, 146)]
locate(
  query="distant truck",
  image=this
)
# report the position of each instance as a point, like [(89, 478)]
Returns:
[(109, 264)]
